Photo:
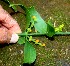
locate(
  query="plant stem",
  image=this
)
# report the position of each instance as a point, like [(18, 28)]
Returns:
[(62, 33), (31, 34), (40, 34)]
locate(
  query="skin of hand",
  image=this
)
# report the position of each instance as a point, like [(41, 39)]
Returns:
[(9, 27)]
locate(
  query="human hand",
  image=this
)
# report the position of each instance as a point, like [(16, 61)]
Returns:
[(8, 27)]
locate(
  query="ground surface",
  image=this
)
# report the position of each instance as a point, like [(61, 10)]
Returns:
[(57, 51)]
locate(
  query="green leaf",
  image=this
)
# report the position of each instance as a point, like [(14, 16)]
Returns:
[(29, 53), (21, 40), (50, 29), (39, 23)]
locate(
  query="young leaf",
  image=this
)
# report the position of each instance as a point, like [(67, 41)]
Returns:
[(29, 53), (50, 29), (21, 40), (33, 16), (11, 5)]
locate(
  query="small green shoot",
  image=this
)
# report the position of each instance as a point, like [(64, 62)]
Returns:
[(59, 29)]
